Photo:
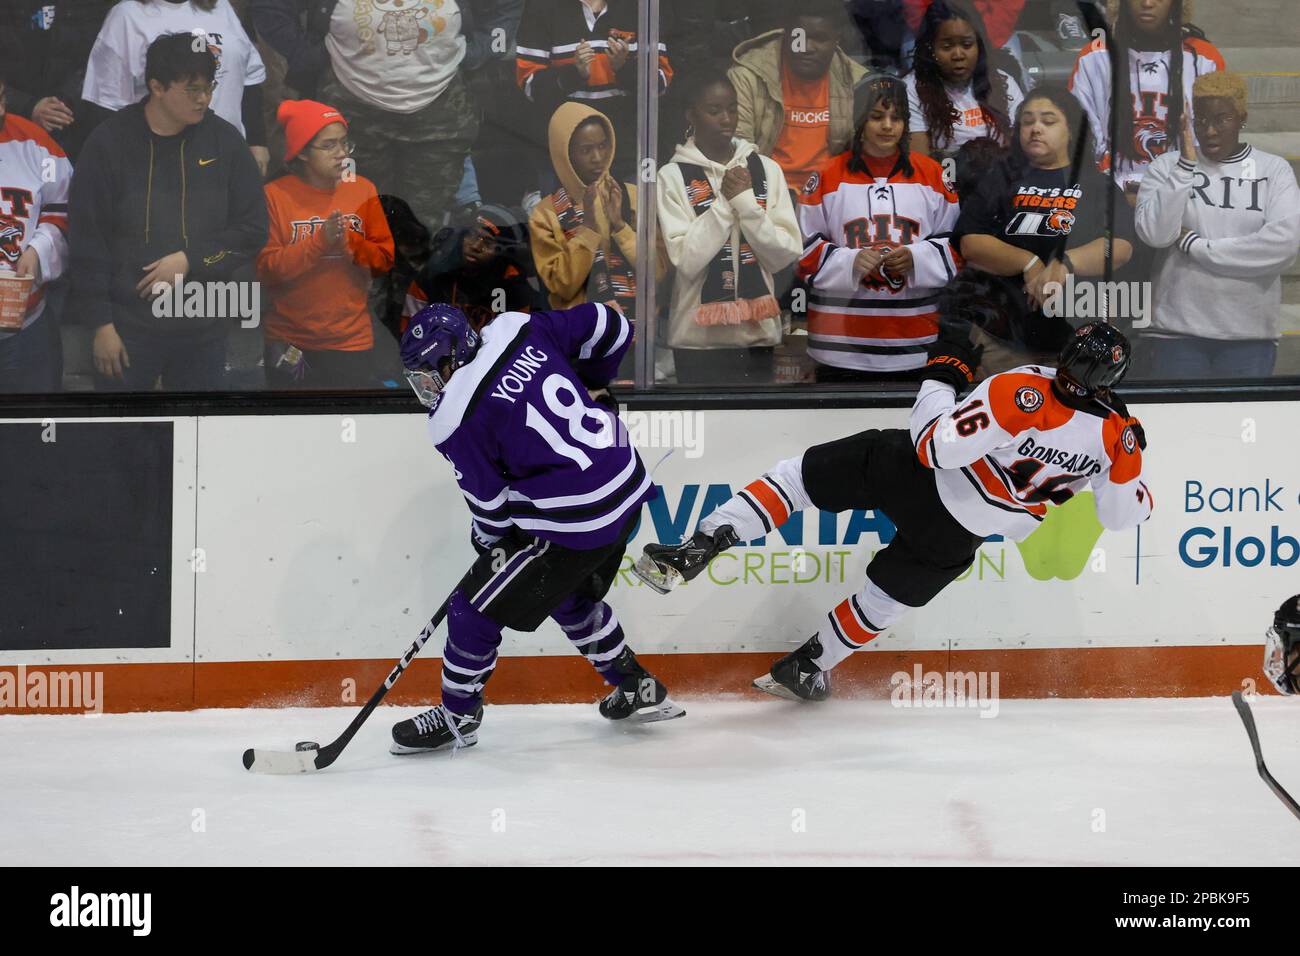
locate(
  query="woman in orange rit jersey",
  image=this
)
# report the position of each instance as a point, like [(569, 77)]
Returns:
[(991, 463)]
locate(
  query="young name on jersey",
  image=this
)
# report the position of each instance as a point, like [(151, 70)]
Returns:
[(530, 448)]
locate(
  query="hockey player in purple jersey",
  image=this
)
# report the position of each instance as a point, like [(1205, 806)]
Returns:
[(554, 490)]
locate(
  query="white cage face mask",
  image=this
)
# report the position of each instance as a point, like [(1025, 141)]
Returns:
[(1275, 663), (426, 385)]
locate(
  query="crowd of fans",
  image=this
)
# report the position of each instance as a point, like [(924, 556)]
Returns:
[(826, 169)]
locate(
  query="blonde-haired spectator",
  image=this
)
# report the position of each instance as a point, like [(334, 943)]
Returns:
[(1228, 215)]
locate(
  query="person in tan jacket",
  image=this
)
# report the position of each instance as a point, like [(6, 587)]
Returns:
[(795, 90), (584, 234)]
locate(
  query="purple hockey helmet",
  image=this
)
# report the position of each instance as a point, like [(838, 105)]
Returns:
[(438, 341)]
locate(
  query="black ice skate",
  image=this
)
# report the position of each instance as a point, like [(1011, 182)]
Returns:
[(435, 729), (640, 695), (664, 566), (796, 677)]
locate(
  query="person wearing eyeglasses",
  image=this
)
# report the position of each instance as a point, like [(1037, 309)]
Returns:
[(166, 194), (328, 238), (115, 74)]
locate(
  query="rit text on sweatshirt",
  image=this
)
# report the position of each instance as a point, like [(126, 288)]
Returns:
[(1222, 277)]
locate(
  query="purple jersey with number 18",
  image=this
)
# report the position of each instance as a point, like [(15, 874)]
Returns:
[(530, 448)]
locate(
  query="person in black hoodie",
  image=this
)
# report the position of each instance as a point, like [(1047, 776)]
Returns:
[(165, 191)]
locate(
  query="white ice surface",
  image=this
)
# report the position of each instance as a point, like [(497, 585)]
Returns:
[(1175, 781)]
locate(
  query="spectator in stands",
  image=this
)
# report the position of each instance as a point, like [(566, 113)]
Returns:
[(412, 247), (883, 28), (36, 176), (956, 91), (999, 18), (585, 51), (727, 224), (973, 161), (1229, 216), (584, 234), (115, 72), (1038, 217), (877, 220), (489, 71), (1164, 55), (394, 70), (44, 45), (702, 33), (165, 190), (795, 90), (328, 237), (482, 267)]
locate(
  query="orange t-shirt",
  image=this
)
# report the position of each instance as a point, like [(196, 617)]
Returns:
[(312, 296), (802, 148)]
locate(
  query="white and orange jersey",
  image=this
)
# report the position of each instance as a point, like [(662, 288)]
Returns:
[(1148, 80), (1011, 448), (870, 322), (35, 177)]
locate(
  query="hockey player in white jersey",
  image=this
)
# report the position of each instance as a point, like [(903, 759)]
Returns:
[(991, 463)]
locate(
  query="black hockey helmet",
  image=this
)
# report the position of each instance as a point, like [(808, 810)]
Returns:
[(1096, 357), (1282, 647)]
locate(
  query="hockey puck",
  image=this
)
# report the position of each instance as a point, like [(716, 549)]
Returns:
[(306, 745)]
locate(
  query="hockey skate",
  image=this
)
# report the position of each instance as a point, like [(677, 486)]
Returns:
[(796, 677), (435, 729), (640, 695), (664, 566)]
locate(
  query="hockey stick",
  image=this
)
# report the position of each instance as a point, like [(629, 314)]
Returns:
[(1248, 719), (309, 761)]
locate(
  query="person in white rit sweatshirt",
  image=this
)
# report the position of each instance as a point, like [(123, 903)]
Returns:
[(1228, 216), (728, 223)]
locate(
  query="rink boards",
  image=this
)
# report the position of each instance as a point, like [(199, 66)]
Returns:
[(287, 560)]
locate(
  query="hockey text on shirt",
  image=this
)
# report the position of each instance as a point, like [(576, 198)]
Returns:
[(73, 909)]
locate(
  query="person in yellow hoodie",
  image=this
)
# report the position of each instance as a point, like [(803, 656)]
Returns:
[(727, 224), (583, 235)]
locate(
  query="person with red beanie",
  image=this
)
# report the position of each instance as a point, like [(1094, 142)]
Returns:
[(328, 237)]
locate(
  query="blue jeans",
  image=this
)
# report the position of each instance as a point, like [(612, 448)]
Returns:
[(186, 362), (1195, 358), (32, 360)]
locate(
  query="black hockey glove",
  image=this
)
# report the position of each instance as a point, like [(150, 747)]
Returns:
[(953, 358), (605, 399), (481, 546), (1109, 398)]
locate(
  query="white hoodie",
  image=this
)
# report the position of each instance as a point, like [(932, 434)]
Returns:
[(693, 242)]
